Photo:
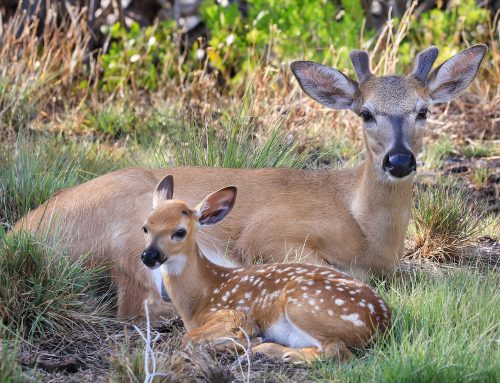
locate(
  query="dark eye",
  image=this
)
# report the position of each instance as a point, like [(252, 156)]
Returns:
[(367, 116), (179, 234), (145, 229), (422, 115)]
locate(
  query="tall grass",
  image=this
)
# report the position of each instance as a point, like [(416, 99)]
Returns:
[(44, 292), (446, 329), (34, 169), (237, 140), (446, 219), (10, 371)]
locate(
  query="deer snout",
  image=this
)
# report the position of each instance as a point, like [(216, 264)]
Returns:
[(151, 258), (399, 164)]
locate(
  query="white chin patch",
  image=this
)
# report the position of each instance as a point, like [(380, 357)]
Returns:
[(175, 265), (399, 179)]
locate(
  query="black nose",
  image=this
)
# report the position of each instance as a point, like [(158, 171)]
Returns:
[(151, 257), (399, 164)]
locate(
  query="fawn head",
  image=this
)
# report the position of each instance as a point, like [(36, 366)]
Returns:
[(393, 108), (170, 229)]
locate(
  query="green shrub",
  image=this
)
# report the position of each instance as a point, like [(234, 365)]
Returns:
[(280, 30), (448, 26)]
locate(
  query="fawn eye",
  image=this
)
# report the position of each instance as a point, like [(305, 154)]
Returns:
[(145, 229), (179, 234), (422, 115), (367, 116)]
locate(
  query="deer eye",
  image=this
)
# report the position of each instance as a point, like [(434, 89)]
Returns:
[(179, 234), (422, 115), (367, 116), (145, 229)]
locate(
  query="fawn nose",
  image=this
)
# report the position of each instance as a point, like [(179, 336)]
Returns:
[(151, 257), (399, 164)]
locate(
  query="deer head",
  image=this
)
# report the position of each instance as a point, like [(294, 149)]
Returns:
[(170, 230), (394, 109)]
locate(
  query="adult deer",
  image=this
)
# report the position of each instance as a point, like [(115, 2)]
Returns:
[(355, 219), (304, 312)]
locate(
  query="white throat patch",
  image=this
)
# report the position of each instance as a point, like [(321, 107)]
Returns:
[(174, 265)]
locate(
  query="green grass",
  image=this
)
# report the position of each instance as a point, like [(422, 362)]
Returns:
[(446, 329), (32, 170), (478, 150), (436, 151), (236, 141), (45, 292), (10, 370)]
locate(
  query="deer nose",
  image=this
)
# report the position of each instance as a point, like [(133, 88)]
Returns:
[(399, 165), (151, 258)]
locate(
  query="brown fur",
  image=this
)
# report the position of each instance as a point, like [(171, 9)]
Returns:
[(219, 303), (355, 219)]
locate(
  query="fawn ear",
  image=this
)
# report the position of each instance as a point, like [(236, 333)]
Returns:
[(326, 85), (453, 76), (216, 206), (164, 190)]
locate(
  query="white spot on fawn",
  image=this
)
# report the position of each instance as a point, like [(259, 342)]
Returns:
[(372, 309), (339, 302), (354, 319)]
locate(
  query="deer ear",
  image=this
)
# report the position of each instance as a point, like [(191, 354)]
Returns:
[(164, 190), (216, 206), (424, 62), (451, 78), (325, 85), (361, 63)]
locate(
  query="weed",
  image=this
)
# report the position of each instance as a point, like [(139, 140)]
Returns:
[(445, 220), (236, 141)]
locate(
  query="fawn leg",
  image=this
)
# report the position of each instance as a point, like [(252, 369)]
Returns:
[(332, 350), (226, 330)]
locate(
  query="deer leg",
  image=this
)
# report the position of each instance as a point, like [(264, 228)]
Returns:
[(272, 350), (226, 330), (336, 350)]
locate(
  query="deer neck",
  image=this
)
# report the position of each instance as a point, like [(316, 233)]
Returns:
[(191, 289), (382, 210)]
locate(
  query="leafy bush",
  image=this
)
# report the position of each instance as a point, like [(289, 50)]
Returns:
[(448, 26), (279, 30)]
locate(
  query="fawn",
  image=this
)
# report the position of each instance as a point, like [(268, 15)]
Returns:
[(302, 311), (354, 219)]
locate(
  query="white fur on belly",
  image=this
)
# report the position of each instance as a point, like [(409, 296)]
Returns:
[(286, 333)]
